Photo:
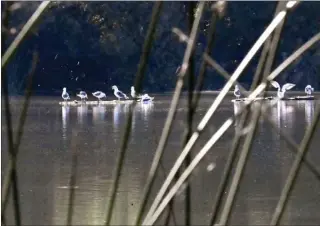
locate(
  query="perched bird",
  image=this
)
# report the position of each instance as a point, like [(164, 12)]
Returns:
[(118, 93), (99, 95), (65, 95), (281, 91), (82, 95), (236, 91), (146, 98), (308, 90), (133, 93)]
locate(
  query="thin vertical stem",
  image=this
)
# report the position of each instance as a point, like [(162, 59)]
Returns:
[(240, 167), (294, 146), (12, 161), (236, 142), (172, 112), (11, 169), (295, 169), (203, 66), (139, 76), (24, 32), (11, 172), (262, 61), (188, 131), (161, 205), (73, 178), (274, 43), (215, 105), (4, 84)]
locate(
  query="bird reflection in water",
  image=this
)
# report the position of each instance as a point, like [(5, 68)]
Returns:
[(237, 109), (238, 106), (309, 111), (117, 112), (82, 112), (145, 109), (65, 118), (98, 112), (283, 114)]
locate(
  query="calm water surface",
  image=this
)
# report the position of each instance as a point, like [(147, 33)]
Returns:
[(52, 132)]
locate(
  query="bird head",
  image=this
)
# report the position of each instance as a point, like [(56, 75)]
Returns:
[(64, 89), (114, 87), (132, 88)]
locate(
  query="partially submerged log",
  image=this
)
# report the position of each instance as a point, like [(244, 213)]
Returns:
[(112, 102), (257, 98), (301, 98), (272, 98)]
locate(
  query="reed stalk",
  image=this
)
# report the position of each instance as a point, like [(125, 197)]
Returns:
[(139, 77)]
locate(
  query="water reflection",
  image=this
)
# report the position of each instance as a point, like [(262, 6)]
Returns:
[(116, 116), (65, 118), (309, 111), (267, 168), (237, 108), (145, 109), (283, 114), (98, 113), (82, 112)]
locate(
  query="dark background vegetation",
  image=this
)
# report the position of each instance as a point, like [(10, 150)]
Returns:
[(94, 45)]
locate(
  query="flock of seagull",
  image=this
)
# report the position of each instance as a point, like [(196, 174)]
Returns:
[(146, 98), (281, 90), (99, 95)]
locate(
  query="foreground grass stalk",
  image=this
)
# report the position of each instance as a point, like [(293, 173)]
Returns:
[(172, 112), (218, 134), (216, 104), (23, 33), (244, 118), (73, 177), (139, 77), (190, 113), (295, 169), (293, 145), (11, 172), (240, 166)]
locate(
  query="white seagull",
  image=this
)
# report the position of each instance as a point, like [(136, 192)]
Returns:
[(118, 93), (65, 95), (133, 93), (99, 95), (82, 95), (146, 98), (281, 91), (308, 90), (236, 91)]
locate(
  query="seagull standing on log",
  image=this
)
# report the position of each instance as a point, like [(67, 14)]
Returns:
[(65, 96), (281, 91), (118, 93), (236, 91), (133, 93), (99, 95), (82, 95), (308, 90)]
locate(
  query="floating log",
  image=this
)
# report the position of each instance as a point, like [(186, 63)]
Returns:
[(272, 98), (301, 98), (77, 103), (257, 98)]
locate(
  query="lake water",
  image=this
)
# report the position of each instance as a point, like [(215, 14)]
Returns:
[(52, 132)]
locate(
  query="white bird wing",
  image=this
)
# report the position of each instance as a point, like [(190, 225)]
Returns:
[(275, 84), (287, 86)]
